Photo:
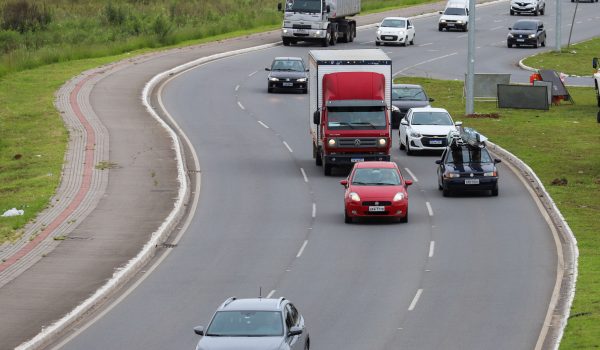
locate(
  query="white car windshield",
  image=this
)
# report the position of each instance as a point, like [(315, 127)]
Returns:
[(246, 324), (376, 177), (408, 94), (431, 118), (308, 6), (455, 11), (394, 23)]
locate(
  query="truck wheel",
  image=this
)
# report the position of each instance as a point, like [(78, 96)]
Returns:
[(353, 31), (318, 157), (286, 42), (325, 41), (327, 169)]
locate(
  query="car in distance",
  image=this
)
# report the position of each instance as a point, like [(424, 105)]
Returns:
[(405, 97), (395, 30), (287, 73), (467, 168), (425, 128), (375, 189), (527, 32), (535, 7), (455, 16), (255, 323)]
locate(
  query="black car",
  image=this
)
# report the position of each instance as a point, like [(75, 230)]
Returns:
[(287, 73), (405, 97), (466, 168), (529, 32)]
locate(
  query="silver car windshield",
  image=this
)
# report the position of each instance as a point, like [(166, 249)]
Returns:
[(431, 118), (376, 177), (246, 324)]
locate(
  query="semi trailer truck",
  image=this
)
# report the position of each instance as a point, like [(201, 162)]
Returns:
[(321, 21), (350, 106)]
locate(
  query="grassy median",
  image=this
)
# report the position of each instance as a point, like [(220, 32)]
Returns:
[(561, 145), (574, 60)]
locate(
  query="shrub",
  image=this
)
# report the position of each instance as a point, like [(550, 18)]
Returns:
[(161, 27), (9, 41), (114, 15), (22, 16)]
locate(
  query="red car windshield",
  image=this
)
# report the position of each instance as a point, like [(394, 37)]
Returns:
[(376, 177)]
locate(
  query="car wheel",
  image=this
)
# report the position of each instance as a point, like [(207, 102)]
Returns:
[(377, 43), (544, 43), (537, 43), (495, 192), (446, 192), (401, 145), (412, 42), (512, 13), (509, 45), (347, 218), (408, 150), (304, 91), (466, 27), (440, 187), (270, 90), (536, 12), (543, 10), (286, 42), (406, 41), (439, 28)]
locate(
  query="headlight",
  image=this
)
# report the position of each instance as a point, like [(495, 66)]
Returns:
[(451, 175), (459, 22), (331, 142), (301, 80), (378, 32), (382, 142), (510, 35), (415, 134), (490, 173), (354, 197), (399, 196), (285, 31), (442, 21), (273, 79), (531, 36), (317, 33)]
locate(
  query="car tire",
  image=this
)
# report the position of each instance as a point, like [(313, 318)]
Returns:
[(286, 42), (446, 192), (537, 43), (377, 43), (466, 27), (495, 192), (304, 91), (403, 219), (401, 145), (412, 42), (509, 45), (270, 90), (543, 10), (439, 28), (536, 12), (544, 43), (408, 150), (405, 41), (512, 13), (347, 218)]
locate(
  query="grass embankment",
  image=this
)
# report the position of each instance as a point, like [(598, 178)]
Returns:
[(576, 60), (562, 143)]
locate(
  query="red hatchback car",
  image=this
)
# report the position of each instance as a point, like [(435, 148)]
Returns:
[(375, 189)]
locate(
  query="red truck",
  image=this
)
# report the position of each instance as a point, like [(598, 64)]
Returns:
[(350, 106)]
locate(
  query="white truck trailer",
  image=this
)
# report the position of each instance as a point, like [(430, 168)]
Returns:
[(322, 21)]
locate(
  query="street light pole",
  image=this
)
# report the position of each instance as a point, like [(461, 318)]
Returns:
[(469, 108), (558, 25)]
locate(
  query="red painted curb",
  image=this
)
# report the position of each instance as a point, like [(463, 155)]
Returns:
[(83, 189)]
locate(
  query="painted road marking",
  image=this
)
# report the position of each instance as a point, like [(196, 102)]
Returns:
[(304, 175), (426, 44), (251, 74), (271, 293), (425, 62), (411, 175), (302, 249), (462, 36), (314, 210), (431, 248), (237, 87), (288, 147), (263, 124), (496, 28), (429, 208), (241, 106), (415, 300)]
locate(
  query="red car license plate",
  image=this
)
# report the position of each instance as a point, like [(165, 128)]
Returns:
[(376, 208)]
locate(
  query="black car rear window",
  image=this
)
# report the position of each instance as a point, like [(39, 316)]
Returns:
[(468, 155)]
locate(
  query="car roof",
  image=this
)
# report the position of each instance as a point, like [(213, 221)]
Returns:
[(404, 18), (364, 165), (406, 86), (255, 304), (287, 58), (428, 109)]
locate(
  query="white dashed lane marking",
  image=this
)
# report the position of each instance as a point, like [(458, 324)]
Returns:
[(304, 175), (429, 210), (241, 106), (271, 293), (288, 147), (263, 124), (415, 300), (411, 175), (431, 248), (302, 249)]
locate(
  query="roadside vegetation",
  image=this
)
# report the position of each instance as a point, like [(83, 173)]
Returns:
[(575, 60), (561, 146)]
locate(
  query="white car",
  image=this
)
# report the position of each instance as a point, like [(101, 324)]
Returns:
[(455, 16), (425, 128), (395, 30), (535, 7)]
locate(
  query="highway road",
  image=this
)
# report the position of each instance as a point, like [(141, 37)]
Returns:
[(469, 272)]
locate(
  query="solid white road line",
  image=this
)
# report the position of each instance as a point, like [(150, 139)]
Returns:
[(426, 44), (251, 74), (415, 300), (429, 208), (314, 210), (411, 175), (496, 28), (302, 249), (425, 62), (304, 175), (271, 293), (462, 36), (263, 124), (237, 87), (431, 248), (288, 147), (367, 42), (241, 106)]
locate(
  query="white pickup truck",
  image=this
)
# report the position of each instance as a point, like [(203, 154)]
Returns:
[(596, 65)]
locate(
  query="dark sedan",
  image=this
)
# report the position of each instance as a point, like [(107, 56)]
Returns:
[(287, 73), (466, 169), (405, 97), (527, 32)]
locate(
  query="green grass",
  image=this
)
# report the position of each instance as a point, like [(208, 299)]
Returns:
[(575, 60), (563, 142)]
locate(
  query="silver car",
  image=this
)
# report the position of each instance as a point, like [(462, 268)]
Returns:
[(257, 323)]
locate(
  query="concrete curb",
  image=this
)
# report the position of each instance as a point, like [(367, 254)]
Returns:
[(562, 299)]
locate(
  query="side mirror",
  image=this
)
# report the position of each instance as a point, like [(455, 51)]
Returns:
[(438, 162), (509, 28), (268, 69), (404, 121), (344, 183), (377, 25), (408, 182), (459, 123), (306, 70), (328, 8), (431, 99), (595, 62), (441, 12), (279, 7), (199, 330), (317, 117), (496, 161), (295, 331)]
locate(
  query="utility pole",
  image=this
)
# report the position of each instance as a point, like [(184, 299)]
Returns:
[(557, 28), (469, 108)]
